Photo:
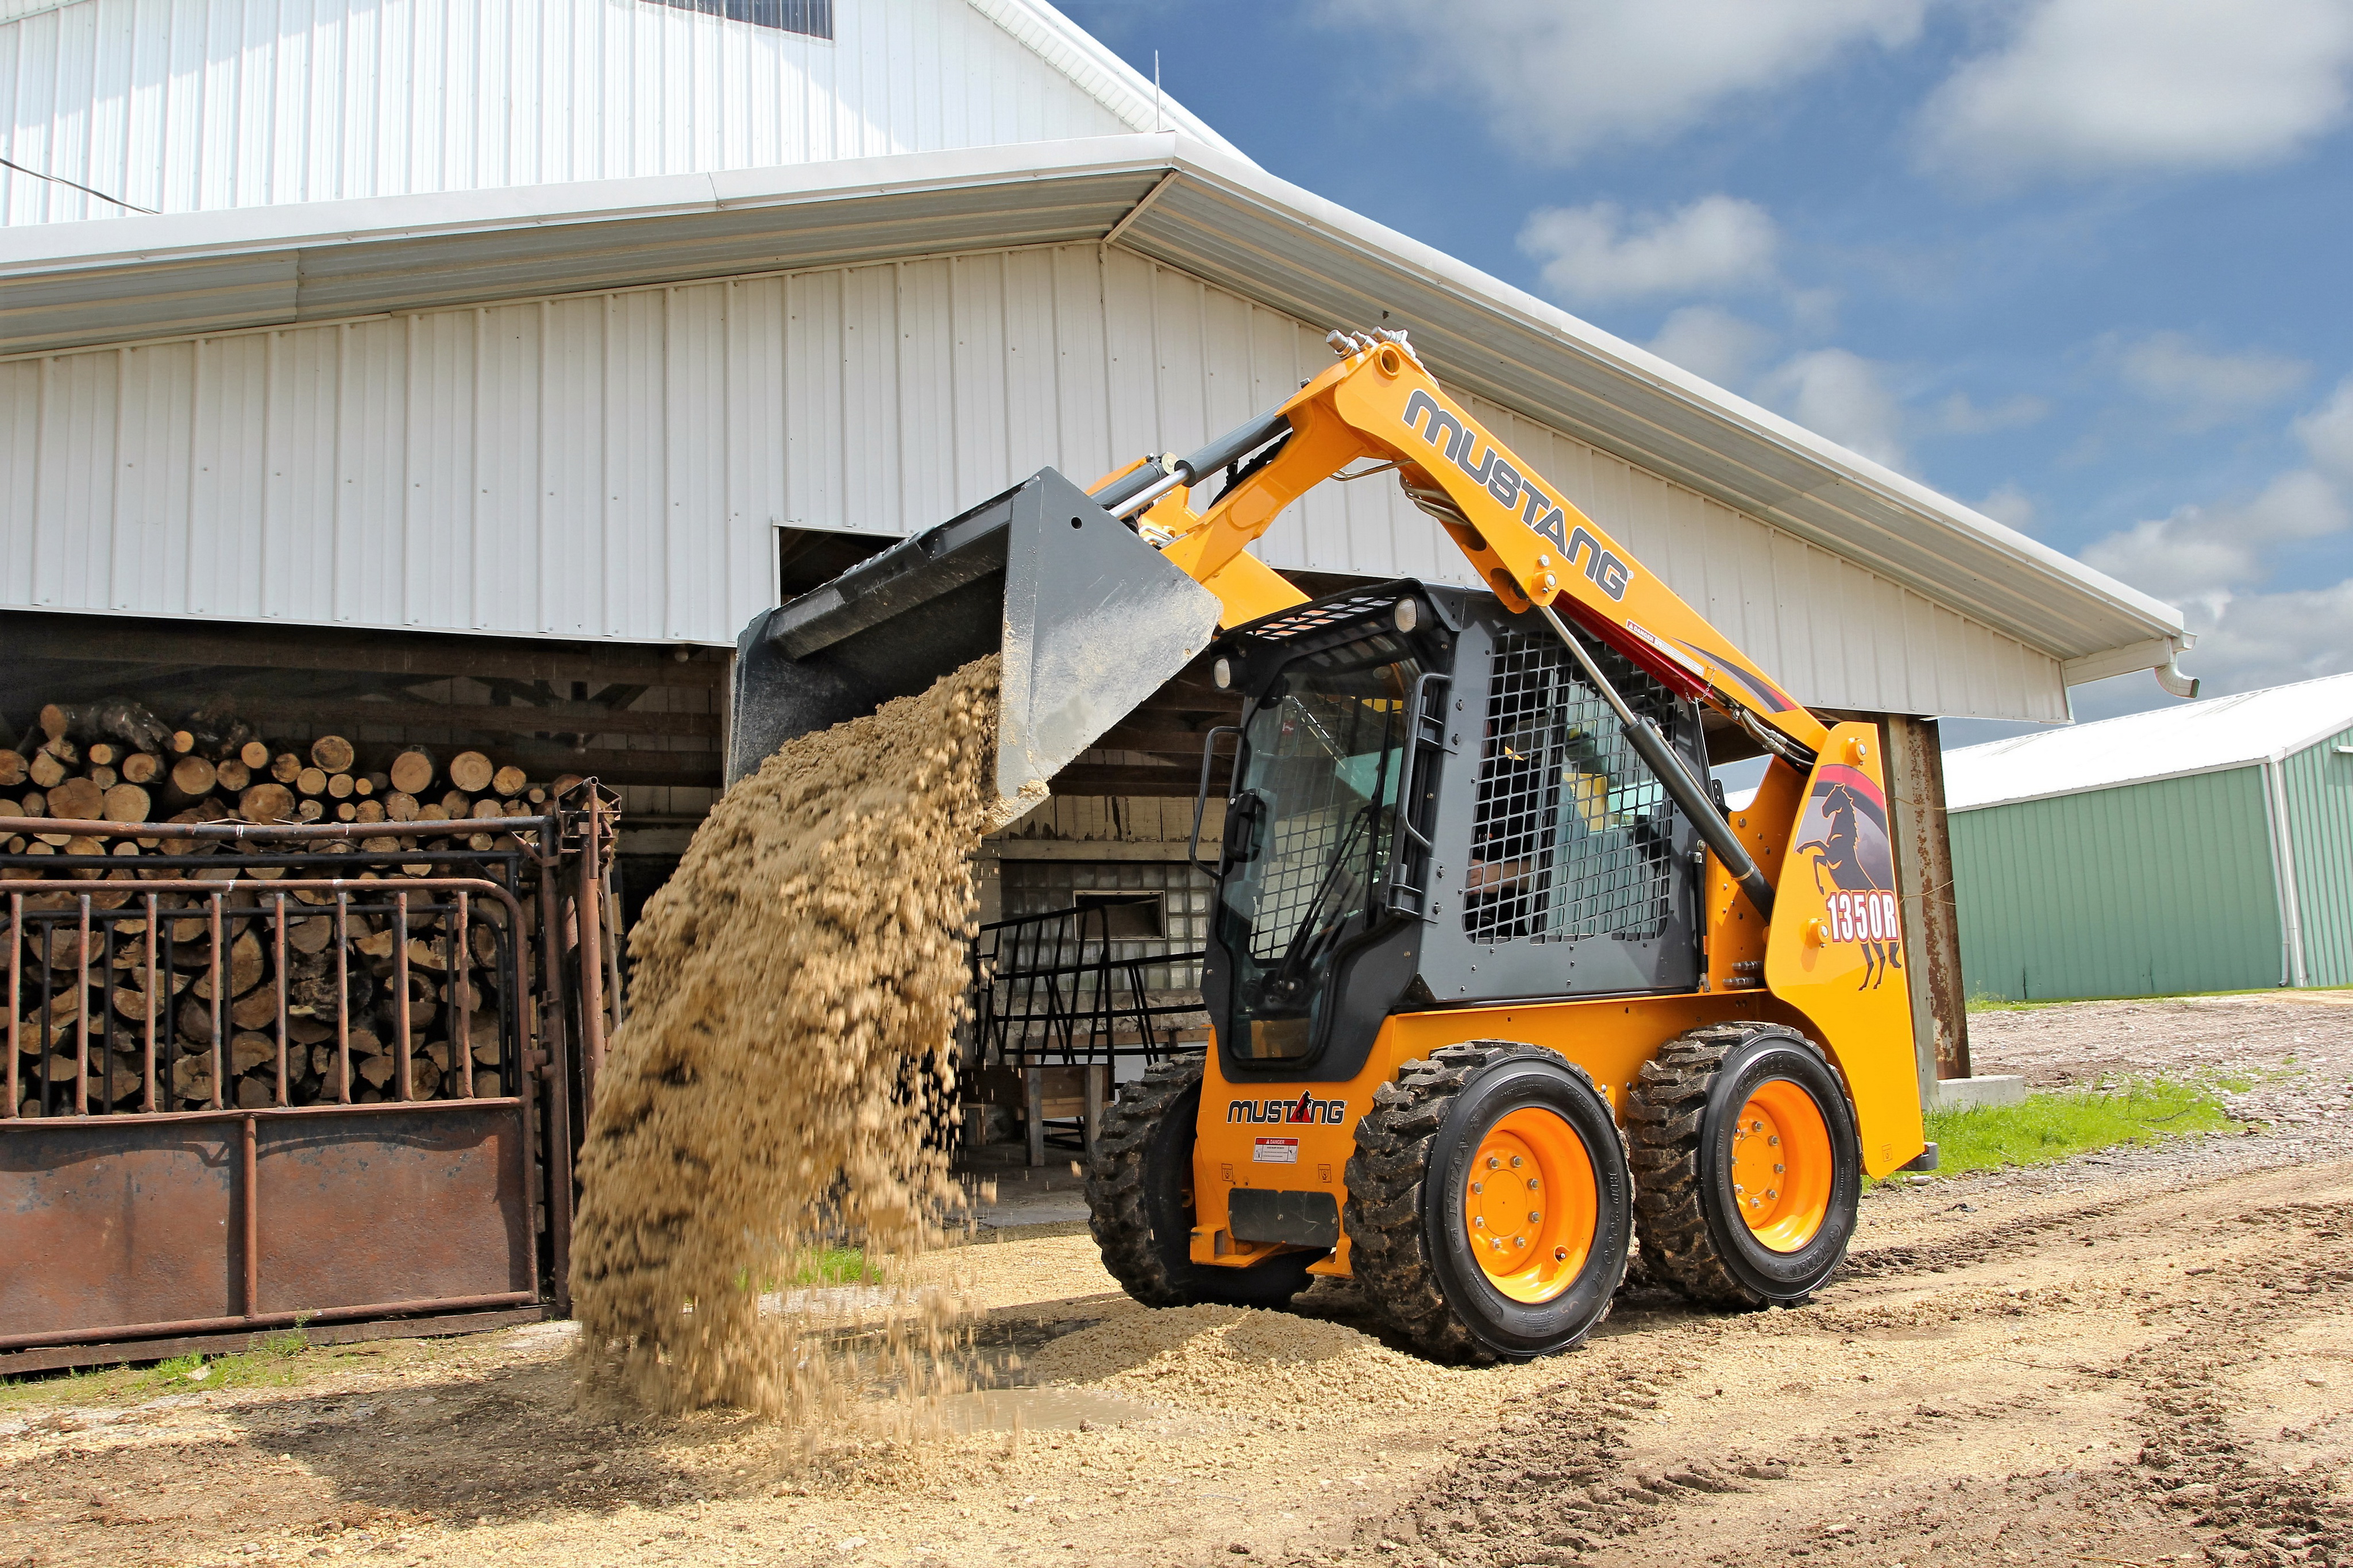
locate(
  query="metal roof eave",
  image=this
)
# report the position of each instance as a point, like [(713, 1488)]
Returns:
[(1221, 218), (2200, 770)]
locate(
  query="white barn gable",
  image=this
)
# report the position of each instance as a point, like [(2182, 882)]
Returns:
[(197, 105)]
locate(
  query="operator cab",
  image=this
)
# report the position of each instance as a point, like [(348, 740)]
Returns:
[(1432, 806)]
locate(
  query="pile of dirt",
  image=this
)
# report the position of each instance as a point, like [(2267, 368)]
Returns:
[(1243, 1360), (797, 990)]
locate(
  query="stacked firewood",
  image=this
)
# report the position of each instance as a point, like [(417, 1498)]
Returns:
[(115, 762), (482, 977)]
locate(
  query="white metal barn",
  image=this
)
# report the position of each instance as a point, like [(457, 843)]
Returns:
[(580, 329)]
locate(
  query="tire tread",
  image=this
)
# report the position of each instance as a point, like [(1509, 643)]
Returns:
[(1663, 1117)]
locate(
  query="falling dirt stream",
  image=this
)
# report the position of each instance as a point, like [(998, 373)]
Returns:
[(786, 1068)]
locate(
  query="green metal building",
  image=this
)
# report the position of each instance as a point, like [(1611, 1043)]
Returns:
[(2206, 847)]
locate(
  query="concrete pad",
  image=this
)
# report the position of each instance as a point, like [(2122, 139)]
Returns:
[(1975, 1093)]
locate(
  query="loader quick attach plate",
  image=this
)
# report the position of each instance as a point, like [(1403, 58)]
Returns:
[(1091, 619)]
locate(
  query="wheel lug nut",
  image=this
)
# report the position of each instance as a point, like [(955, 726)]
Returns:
[(1779, 1169), (1534, 1183), (1516, 1162), (1493, 1163), (1534, 1217), (1478, 1186), (1479, 1222)]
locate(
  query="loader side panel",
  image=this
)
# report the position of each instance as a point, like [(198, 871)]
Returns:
[(1289, 1141), (1836, 955)]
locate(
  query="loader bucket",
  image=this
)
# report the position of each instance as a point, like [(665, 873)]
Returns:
[(1091, 619)]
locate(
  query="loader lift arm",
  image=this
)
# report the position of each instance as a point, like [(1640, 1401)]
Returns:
[(1531, 545)]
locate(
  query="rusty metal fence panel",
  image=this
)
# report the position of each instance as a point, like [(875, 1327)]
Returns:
[(307, 1082)]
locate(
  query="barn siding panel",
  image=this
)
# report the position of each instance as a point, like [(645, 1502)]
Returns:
[(2148, 889), (613, 465), (2318, 783)]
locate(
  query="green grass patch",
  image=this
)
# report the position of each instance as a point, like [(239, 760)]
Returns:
[(832, 1266), (2060, 1124), (276, 1360)]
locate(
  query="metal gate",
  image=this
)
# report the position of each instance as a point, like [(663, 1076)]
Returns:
[(278, 1076)]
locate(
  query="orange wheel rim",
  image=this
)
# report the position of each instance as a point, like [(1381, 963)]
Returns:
[(1781, 1165), (1529, 1207)]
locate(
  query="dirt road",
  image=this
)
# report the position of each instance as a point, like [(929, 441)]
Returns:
[(2139, 1357)]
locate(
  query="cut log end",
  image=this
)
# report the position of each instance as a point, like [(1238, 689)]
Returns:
[(412, 772), (127, 803), (192, 777), (269, 802)]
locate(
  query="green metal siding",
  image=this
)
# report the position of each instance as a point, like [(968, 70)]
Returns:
[(2319, 783), (2145, 890)]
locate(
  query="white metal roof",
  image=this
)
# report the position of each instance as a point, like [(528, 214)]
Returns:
[(2164, 743), (1167, 197)]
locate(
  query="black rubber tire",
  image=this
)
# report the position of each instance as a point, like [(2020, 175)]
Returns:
[(1678, 1122), (1139, 1205), (1408, 1248)]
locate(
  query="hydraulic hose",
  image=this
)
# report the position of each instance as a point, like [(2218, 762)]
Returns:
[(1681, 787)]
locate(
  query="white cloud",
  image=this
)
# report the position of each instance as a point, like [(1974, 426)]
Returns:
[(1560, 77), (1960, 416), (2327, 433), (1596, 253), (1840, 395), (2214, 561), (2010, 507), (2269, 639), (2205, 390), (1711, 342), (2088, 88), (2203, 557)]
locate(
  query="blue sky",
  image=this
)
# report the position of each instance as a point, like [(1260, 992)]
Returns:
[(2083, 264)]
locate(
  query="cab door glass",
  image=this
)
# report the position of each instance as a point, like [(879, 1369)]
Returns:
[(1323, 756)]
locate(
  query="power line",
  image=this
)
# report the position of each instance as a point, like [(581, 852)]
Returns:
[(78, 186)]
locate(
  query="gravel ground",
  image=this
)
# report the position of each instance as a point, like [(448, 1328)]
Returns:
[(2137, 1357)]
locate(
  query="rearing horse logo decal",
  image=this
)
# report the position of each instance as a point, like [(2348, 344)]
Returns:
[(1843, 835)]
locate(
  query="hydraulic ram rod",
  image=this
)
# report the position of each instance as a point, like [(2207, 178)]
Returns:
[(1134, 492), (1681, 787)]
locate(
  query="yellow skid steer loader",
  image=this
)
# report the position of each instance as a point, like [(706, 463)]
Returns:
[(1495, 980)]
